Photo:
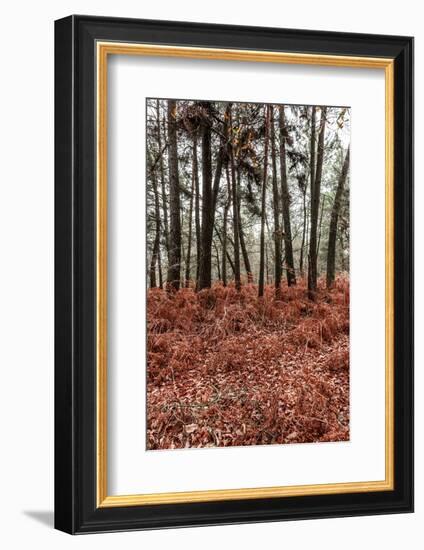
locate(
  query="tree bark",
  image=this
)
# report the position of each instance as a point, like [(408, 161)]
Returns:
[(174, 266), (222, 156), (285, 197), (332, 236), (276, 208), (156, 246), (311, 292), (342, 257), (218, 268), (236, 224), (206, 232), (230, 261), (316, 175), (196, 205), (160, 269), (243, 246), (209, 194), (224, 249), (262, 243), (302, 246), (162, 180), (245, 254), (152, 268), (266, 263), (224, 229), (320, 223), (190, 223)]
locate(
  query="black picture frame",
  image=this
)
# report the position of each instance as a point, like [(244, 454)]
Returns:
[(76, 510)]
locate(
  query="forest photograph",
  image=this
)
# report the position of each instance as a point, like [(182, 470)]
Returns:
[(247, 271)]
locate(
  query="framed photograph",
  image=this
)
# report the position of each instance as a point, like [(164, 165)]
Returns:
[(234, 274)]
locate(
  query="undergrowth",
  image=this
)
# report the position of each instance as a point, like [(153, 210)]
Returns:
[(227, 368)]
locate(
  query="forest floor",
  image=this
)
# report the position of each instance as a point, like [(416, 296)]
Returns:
[(227, 368)]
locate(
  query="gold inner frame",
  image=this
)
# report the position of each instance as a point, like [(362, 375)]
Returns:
[(103, 50)]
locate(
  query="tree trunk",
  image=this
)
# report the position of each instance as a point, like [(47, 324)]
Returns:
[(320, 224), (311, 289), (266, 263), (276, 208), (152, 269), (245, 254), (285, 196), (206, 242), (174, 266), (315, 198), (190, 223), (196, 205), (342, 256), (218, 268), (332, 236), (236, 224), (162, 180), (302, 246), (230, 261), (156, 246), (160, 268), (224, 229), (224, 248), (243, 246), (209, 194), (263, 206)]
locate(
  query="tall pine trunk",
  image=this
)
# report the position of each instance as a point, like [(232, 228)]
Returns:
[(263, 205), (162, 178), (236, 223), (320, 223), (205, 242), (224, 247), (196, 205), (155, 259), (316, 175), (312, 202), (243, 246), (209, 193), (302, 246), (174, 265), (218, 267), (285, 197), (224, 229), (332, 236), (230, 261), (244, 252), (190, 223), (160, 268), (276, 208)]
